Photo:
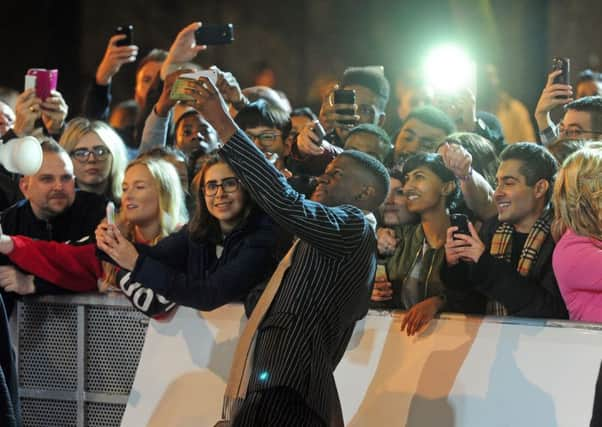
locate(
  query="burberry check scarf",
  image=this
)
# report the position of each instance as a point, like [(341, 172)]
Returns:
[(501, 248)]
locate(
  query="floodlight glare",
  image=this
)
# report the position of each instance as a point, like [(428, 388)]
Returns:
[(448, 69)]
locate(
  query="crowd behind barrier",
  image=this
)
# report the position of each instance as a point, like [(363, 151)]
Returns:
[(197, 188)]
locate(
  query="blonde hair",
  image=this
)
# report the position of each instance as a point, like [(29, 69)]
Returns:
[(578, 195), (79, 127), (173, 213)]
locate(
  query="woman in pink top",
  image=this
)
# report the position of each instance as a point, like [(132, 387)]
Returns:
[(577, 257)]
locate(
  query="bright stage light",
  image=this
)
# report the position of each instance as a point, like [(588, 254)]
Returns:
[(448, 69)]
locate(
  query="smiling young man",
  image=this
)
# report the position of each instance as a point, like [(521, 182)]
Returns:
[(511, 260), (302, 324)]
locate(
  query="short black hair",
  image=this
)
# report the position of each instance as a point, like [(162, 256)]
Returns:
[(383, 137), (261, 113), (373, 167), (537, 163), (186, 114), (591, 105), (434, 162), (304, 112), (371, 78), (372, 129), (433, 117)]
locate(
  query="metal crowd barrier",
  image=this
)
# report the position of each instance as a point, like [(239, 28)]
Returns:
[(77, 358)]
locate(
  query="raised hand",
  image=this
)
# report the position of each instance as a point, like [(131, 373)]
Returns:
[(183, 49), (457, 159), (54, 112), (165, 103), (308, 142), (552, 96), (209, 102), (114, 57), (332, 119), (230, 89), (27, 110)]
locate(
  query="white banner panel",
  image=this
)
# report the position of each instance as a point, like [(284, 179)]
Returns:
[(459, 372)]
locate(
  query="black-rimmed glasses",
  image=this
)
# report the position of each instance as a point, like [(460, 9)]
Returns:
[(100, 152), (228, 185)]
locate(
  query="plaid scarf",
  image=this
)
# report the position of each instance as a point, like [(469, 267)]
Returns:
[(501, 248)]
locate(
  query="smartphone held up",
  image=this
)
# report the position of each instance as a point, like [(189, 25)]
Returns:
[(178, 90), (128, 32), (44, 81), (214, 34), (344, 97), (563, 64)]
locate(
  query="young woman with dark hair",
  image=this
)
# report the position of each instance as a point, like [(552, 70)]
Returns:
[(413, 284)]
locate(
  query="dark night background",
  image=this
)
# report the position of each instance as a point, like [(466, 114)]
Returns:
[(304, 39)]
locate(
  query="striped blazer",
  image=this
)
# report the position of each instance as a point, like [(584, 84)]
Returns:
[(325, 291)]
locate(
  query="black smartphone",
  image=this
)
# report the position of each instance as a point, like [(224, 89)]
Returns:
[(128, 30), (460, 221), (345, 96), (563, 64), (211, 34)]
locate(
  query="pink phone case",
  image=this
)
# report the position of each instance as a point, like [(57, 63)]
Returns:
[(46, 81)]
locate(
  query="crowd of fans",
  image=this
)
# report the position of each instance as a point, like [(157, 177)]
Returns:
[(534, 204)]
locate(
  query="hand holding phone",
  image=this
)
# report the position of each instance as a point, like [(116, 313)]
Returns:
[(345, 97), (460, 221), (178, 90), (563, 64), (383, 290), (43, 80)]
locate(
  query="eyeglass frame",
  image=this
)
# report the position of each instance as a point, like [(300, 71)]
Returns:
[(262, 135), (221, 185), (562, 132), (87, 151)]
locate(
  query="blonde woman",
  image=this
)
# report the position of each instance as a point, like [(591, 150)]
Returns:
[(99, 156), (151, 208), (577, 258)]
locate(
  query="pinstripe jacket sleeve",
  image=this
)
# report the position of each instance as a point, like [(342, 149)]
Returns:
[(335, 231)]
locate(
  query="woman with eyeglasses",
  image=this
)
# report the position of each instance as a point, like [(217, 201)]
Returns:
[(226, 249), (152, 207), (99, 156)]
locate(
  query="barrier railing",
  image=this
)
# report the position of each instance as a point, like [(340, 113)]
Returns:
[(78, 357)]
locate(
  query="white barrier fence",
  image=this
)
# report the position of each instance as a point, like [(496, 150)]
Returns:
[(459, 372)]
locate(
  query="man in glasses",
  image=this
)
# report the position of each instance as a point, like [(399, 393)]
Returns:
[(52, 210), (268, 128), (582, 118)]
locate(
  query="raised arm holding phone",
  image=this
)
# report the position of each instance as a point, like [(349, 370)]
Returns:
[(329, 272)]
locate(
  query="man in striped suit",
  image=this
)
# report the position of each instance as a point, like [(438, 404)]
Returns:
[(324, 292)]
